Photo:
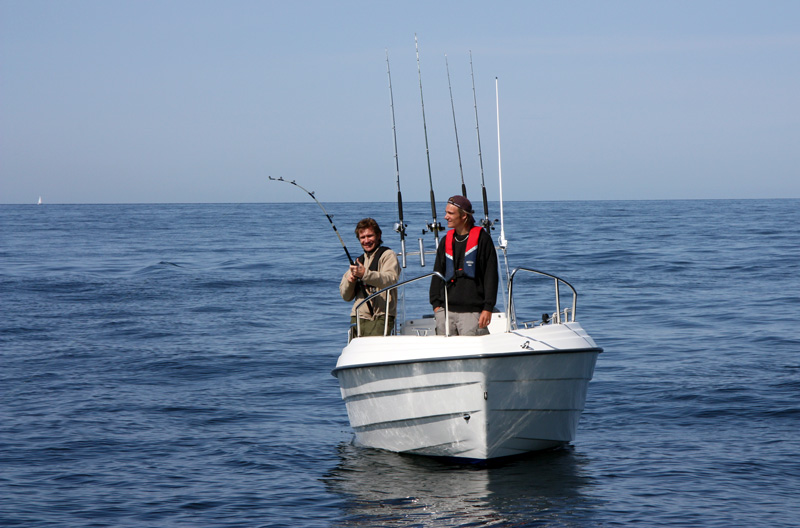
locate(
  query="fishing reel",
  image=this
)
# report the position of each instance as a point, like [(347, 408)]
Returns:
[(400, 228), (487, 224), (433, 227)]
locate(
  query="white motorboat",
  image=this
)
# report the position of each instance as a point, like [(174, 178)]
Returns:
[(520, 388)]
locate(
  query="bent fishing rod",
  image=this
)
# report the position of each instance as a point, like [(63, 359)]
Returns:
[(359, 282), (400, 226), (329, 217), (434, 226), (455, 127), (485, 223)]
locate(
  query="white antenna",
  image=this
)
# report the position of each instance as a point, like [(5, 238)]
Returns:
[(502, 240)]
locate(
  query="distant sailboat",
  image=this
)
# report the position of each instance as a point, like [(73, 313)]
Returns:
[(40, 201)]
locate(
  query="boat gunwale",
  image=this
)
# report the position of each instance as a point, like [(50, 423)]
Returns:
[(488, 355)]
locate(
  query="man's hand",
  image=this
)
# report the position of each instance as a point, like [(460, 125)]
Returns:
[(356, 272), (484, 319)]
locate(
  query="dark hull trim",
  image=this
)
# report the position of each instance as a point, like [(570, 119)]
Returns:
[(491, 462), (472, 356)]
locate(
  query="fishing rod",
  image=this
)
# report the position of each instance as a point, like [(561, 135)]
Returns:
[(453, 107), (359, 282), (485, 223), (400, 226), (329, 217), (434, 226)]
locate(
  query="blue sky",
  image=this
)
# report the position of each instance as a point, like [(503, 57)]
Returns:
[(198, 101)]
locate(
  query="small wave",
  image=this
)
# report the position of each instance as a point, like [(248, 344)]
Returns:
[(212, 309), (610, 257), (161, 266), (789, 412)]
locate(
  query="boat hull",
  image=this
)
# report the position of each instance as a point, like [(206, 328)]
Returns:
[(473, 398)]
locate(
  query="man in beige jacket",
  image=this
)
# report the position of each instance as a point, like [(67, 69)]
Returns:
[(376, 269)]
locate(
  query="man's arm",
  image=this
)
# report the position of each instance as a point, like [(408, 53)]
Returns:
[(347, 287), (490, 274)]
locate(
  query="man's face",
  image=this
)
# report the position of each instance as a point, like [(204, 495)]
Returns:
[(455, 218), (368, 239)]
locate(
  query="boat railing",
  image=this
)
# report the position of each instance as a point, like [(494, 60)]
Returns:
[(568, 313), (388, 291)]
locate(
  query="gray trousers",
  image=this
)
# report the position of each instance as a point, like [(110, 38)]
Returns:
[(461, 323)]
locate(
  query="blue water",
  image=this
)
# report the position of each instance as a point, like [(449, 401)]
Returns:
[(169, 365)]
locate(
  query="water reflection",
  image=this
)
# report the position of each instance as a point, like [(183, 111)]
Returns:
[(386, 489)]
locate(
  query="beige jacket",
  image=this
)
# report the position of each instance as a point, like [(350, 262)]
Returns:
[(387, 274)]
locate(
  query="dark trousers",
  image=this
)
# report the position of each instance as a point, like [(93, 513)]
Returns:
[(374, 327)]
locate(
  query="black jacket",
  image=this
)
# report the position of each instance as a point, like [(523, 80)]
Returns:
[(463, 293)]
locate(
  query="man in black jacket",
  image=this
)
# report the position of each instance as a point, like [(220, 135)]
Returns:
[(467, 259)]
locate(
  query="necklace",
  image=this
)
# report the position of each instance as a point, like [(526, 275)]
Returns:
[(461, 239)]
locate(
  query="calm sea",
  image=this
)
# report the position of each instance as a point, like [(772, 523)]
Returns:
[(169, 366)]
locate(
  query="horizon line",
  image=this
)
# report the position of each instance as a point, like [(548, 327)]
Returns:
[(405, 201)]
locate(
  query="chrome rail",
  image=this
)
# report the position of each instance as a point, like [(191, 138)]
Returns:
[(511, 319), (569, 315), (394, 287), (422, 252)]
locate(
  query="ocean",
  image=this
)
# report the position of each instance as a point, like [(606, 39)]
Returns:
[(169, 366)]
